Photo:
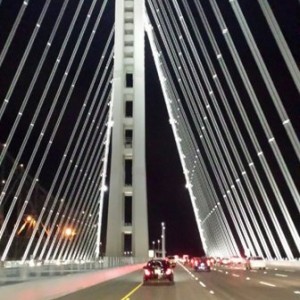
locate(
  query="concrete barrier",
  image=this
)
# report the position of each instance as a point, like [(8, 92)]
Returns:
[(51, 288), (287, 264)]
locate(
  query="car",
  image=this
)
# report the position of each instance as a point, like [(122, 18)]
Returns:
[(185, 259), (201, 264), (172, 261), (157, 270), (225, 261), (237, 260), (256, 262)]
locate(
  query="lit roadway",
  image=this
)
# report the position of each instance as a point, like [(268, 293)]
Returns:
[(220, 284)]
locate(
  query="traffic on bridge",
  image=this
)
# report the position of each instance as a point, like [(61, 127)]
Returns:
[(223, 282)]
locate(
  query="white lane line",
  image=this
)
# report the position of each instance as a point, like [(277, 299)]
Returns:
[(297, 292), (235, 275), (268, 284), (212, 292), (221, 271), (203, 284), (247, 278), (289, 271), (281, 275)]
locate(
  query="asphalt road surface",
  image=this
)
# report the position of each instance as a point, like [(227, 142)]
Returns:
[(230, 283)]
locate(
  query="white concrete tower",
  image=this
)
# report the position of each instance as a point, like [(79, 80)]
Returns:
[(127, 226)]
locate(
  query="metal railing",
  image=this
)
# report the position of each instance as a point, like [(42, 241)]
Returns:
[(15, 271)]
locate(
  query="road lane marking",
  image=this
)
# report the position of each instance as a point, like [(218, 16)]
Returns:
[(297, 292), (235, 275), (212, 292), (131, 292), (268, 284), (203, 284), (247, 278), (281, 275)]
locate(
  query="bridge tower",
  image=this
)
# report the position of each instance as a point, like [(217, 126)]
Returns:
[(127, 226)]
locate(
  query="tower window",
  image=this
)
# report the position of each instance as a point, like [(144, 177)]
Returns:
[(128, 109), (128, 171), (129, 80), (128, 209), (128, 138)]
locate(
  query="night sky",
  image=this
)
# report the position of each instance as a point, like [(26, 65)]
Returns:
[(168, 199), (167, 196)]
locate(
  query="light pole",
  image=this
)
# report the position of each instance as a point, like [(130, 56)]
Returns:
[(158, 251), (163, 240), (153, 247)]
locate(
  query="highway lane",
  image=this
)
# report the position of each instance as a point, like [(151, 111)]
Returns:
[(233, 283), (219, 284)]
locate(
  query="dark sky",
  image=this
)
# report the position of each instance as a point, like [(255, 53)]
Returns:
[(168, 198)]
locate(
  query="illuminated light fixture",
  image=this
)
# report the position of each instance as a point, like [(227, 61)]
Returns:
[(29, 218), (68, 232), (225, 30), (286, 122), (172, 121), (271, 140), (110, 124), (188, 185)]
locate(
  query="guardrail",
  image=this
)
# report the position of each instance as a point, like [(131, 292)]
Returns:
[(15, 271), (284, 263), (58, 286)]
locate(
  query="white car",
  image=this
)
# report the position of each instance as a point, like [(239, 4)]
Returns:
[(256, 262)]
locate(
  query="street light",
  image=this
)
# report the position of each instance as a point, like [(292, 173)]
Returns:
[(158, 242), (163, 240), (153, 248)]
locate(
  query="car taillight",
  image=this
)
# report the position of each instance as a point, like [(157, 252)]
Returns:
[(147, 272), (169, 271)]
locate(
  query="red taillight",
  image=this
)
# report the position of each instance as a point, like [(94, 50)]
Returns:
[(147, 272), (169, 271)]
